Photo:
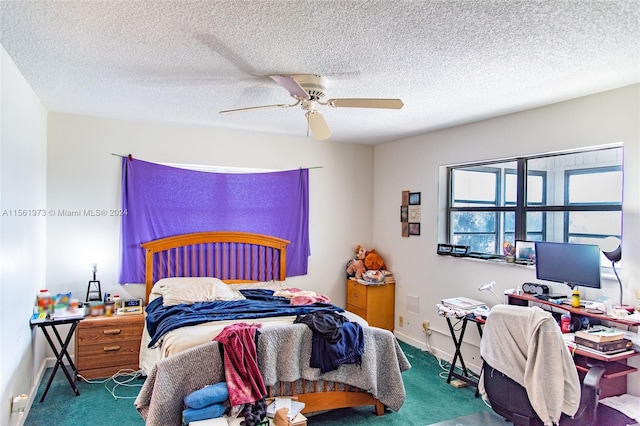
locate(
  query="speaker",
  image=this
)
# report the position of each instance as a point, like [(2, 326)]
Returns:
[(535, 288)]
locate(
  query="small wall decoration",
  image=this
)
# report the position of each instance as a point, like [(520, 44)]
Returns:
[(414, 214), (410, 213)]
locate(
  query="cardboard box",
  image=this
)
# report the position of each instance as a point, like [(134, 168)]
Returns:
[(299, 420)]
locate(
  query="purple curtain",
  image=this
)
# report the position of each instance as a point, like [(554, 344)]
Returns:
[(162, 201)]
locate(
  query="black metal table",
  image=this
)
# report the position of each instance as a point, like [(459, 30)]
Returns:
[(61, 354), (457, 341)]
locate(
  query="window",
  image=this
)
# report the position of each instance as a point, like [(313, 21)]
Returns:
[(569, 197)]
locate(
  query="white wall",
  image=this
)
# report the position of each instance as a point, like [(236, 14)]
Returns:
[(412, 164), (82, 174), (23, 151)]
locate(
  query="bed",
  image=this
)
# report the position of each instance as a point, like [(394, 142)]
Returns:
[(185, 359)]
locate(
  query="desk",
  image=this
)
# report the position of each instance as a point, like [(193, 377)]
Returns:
[(62, 353), (614, 380), (457, 341)]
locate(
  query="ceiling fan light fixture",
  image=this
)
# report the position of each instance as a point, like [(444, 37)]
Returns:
[(315, 85), (308, 89)]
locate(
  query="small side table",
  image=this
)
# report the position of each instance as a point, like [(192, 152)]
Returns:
[(52, 324), (457, 341)]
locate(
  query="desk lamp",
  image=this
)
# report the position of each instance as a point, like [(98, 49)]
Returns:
[(612, 250), (490, 288)]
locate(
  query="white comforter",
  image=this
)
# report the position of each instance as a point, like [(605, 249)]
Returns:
[(188, 337)]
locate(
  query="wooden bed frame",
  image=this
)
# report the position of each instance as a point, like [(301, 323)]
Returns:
[(241, 257)]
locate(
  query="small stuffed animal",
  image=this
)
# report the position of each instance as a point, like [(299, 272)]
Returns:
[(356, 266), (373, 261)]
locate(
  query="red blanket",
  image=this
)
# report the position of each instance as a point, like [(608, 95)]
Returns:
[(243, 377)]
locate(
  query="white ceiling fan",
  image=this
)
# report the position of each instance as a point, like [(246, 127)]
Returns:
[(308, 89)]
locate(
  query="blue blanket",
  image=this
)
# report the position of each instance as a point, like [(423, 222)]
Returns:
[(259, 303)]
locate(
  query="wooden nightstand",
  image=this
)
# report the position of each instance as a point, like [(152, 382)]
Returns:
[(105, 345), (374, 303)]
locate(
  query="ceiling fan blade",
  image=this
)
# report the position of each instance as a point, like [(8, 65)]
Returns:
[(365, 103), (291, 85), (231, 111), (318, 125)]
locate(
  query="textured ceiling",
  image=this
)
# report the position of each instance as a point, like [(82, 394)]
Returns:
[(451, 62)]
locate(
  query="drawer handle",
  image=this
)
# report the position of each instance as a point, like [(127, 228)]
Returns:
[(111, 348), (112, 331), (355, 296)]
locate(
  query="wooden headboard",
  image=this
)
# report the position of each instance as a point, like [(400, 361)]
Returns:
[(234, 257)]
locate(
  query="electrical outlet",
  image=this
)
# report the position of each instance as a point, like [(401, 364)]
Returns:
[(401, 321), (18, 403)]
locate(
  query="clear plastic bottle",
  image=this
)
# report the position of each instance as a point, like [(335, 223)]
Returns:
[(116, 301)]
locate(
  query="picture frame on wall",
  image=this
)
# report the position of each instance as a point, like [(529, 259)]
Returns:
[(404, 213), (414, 228), (414, 199)]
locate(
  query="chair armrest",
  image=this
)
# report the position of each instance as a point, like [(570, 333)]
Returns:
[(592, 379), (590, 393)]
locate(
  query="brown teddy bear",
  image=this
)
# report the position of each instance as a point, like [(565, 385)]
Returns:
[(373, 261), (356, 266)]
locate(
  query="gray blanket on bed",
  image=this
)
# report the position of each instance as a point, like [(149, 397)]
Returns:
[(284, 353)]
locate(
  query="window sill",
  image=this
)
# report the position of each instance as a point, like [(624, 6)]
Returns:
[(606, 272)]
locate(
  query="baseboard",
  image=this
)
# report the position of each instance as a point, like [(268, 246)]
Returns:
[(447, 356)]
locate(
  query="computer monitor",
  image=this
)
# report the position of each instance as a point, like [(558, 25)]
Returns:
[(572, 264)]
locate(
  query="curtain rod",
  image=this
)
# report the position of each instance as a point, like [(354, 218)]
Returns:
[(130, 157)]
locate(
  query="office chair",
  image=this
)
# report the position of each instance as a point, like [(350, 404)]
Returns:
[(528, 374)]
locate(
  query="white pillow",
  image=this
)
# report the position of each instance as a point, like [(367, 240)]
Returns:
[(267, 285), (179, 290)]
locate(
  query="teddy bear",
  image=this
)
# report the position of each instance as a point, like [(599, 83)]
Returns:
[(356, 267), (373, 261)]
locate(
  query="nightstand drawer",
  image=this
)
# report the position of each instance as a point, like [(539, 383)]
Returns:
[(357, 295), (111, 354), (360, 312), (108, 333)]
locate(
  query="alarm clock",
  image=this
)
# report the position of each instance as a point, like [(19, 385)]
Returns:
[(130, 307)]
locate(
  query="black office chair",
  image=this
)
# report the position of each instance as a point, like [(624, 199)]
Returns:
[(512, 332)]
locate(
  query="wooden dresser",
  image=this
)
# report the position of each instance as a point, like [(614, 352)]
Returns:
[(374, 303), (105, 344)]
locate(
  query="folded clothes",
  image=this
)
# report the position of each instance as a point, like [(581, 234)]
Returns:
[(211, 394), (209, 412)]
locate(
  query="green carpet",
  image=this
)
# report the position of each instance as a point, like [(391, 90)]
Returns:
[(429, 400)]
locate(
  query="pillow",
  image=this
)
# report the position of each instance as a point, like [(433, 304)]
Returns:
[(209, 412), (208, 395), (179, 290), (267, 285)]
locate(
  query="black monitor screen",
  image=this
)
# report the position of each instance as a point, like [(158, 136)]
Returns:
[(572, 264)]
